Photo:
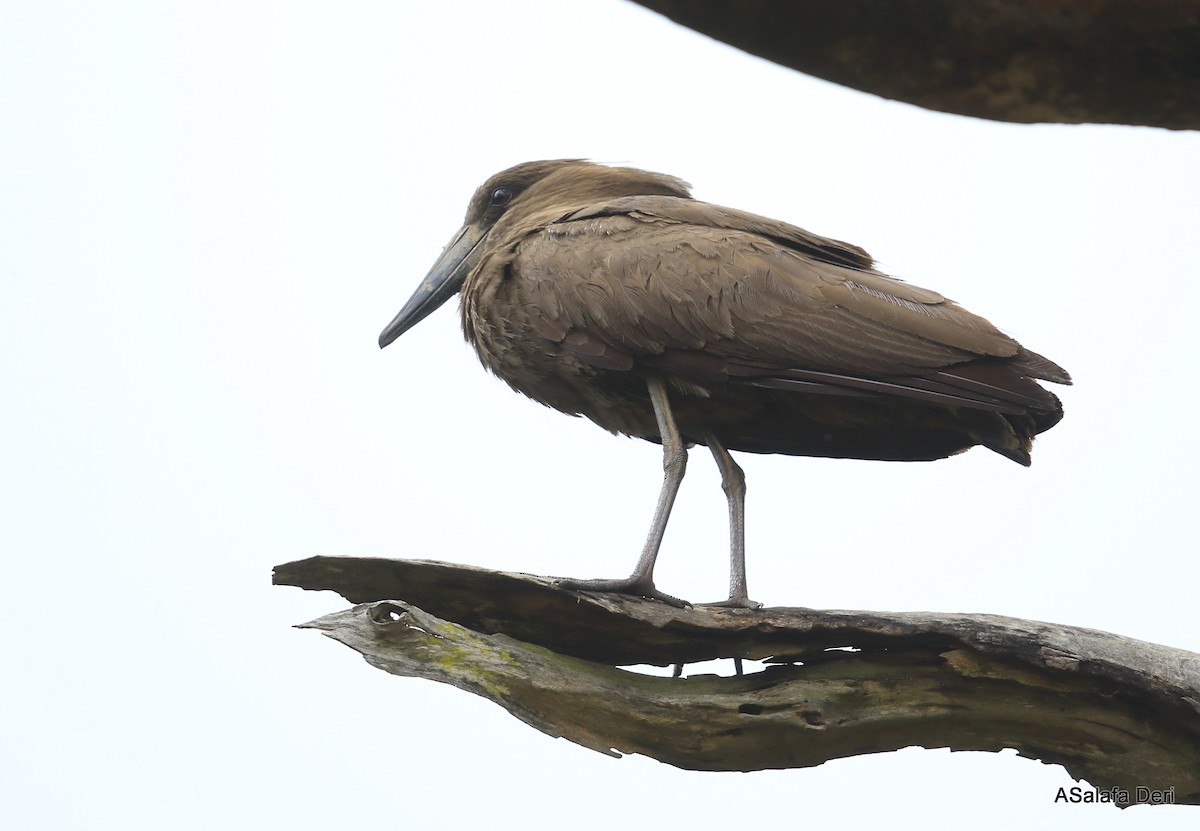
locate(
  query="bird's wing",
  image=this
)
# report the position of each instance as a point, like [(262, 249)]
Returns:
[(713, 294)]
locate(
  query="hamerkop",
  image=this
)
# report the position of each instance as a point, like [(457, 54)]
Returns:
[(610, 293)]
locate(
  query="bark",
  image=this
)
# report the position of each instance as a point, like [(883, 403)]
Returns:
[(1120, 713), (1072, 61)]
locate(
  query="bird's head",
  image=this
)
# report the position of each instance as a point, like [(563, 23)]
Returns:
[(529, 191)]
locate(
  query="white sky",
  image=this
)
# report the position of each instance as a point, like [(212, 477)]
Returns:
[(211, 209)]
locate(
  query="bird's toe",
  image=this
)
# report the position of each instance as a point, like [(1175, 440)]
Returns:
[(629, 585), (735, 603)]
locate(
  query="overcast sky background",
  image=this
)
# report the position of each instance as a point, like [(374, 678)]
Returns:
[(211, 209)]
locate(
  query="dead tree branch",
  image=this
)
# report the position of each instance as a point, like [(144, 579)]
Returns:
[(1069, 61), (1120, 713)]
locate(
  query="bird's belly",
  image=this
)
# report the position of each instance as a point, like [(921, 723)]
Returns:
[(542, 370), (741, 417)]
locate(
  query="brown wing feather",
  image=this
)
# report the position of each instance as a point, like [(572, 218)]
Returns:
[(709, 294)]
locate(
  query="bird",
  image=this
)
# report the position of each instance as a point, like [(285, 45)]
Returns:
[(611, 293)]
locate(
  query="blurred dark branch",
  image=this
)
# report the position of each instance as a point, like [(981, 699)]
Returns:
[(1118, 712), (1071, 61)]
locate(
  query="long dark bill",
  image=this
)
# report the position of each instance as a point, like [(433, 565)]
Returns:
[(441, 283)]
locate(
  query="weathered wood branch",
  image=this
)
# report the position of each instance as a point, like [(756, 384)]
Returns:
[(1120, 713), (1072, 61)]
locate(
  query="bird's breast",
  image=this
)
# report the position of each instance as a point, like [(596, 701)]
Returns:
[(520, 341)]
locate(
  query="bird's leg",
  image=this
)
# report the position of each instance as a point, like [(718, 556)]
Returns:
[(733, 482), (641, 582), (674, 466)]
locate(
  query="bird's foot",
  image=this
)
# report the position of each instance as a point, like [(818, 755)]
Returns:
[(735, 603), (630, 585)]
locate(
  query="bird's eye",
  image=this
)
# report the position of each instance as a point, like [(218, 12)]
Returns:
[(500, 197)]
